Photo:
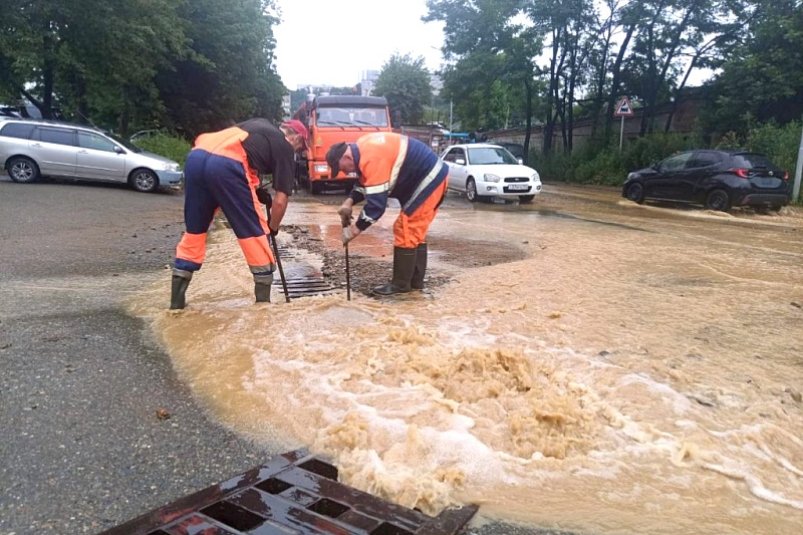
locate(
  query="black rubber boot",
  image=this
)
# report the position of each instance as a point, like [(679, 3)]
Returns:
[(181, 279), (417, 283), (403, 266), (262, 284)]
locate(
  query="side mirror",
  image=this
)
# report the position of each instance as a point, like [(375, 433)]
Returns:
[(118, 149), (520, 160), (460, 161)]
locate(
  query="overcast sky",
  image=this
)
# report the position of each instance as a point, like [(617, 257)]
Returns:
[(325, 42)]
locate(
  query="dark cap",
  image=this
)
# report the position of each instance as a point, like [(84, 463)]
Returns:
[(333, 156), (298, 127)]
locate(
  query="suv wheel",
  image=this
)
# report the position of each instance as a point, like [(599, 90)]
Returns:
[(22, 170), (526, 199), (144, 180), (718, 200)]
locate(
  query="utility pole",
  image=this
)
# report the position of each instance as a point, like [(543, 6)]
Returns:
[(451, 109)]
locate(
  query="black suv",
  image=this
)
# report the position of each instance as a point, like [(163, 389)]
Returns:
[(717, 179)]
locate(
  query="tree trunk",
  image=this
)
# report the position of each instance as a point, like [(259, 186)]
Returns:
[(617, 69), (678, 91), (48, 74), (528, 91)]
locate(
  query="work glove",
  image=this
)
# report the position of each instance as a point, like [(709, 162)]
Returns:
[(264, 197), (347, 235), (345, 215)]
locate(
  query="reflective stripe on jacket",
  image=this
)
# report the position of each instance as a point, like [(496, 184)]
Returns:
[(393, 165)]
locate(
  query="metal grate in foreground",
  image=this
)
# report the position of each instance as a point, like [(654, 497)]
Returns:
[(293, 493), (305, 286)]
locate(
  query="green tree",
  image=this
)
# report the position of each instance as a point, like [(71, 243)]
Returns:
[(227, 74), (87, 55), (404, 81), (762, 79), (491, 53)]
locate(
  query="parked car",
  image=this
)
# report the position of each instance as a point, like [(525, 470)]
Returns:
[(30, 149), (717, 179), (484, 171)]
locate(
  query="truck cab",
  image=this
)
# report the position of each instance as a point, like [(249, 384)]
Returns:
[(336, 118)]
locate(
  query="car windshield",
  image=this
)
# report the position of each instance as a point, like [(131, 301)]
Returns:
[(490, 156), (339, 116), (752, 161), (125, 143)]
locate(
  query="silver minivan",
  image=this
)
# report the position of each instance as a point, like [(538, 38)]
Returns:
[(30, 149)]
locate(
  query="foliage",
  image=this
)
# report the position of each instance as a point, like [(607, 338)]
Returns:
[(764, 75), (475, 84), (779, 143), (170, 146), (404, 81), (491, 61), (602, 163), (225, 75), (128, 65)]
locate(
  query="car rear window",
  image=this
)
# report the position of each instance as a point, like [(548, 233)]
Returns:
[(19, 130), (752, 161)]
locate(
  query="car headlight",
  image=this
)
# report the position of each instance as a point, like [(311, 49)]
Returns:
[(172, 167), (491, 178), (631, 176), (535, 178), (321, 168)]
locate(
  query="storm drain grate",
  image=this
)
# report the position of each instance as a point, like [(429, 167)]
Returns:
[(297, 286), (305, 286), (293, 493)]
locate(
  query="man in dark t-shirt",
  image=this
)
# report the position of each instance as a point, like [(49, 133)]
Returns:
[(222, 172)]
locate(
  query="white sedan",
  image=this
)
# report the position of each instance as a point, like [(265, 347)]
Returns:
[(484, 171)]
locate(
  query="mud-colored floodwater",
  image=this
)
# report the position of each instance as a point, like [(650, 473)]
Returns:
[(593, 365)]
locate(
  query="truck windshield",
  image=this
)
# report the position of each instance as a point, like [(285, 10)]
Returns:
[(351, 117)]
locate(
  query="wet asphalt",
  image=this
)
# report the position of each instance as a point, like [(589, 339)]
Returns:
[(97, 428)]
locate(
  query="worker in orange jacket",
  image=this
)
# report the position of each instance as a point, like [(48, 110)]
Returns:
[(393, 165), (222, 172)]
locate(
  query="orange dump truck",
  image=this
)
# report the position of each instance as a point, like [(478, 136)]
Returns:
[(336, 118)]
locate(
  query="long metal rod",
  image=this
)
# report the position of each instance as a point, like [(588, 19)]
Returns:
[(348, 274), (281, 270)]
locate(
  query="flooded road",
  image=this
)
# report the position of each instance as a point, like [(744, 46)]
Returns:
[(581, 363)]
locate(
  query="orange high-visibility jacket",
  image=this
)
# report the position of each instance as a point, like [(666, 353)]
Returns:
[(393, 165)]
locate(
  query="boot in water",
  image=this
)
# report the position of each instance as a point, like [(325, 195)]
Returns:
[(403, 266), (181, 280)]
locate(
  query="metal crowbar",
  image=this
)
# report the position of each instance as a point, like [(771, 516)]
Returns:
[(272, 240), (348, 274)]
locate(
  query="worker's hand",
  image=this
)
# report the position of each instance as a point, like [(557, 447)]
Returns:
[(273, 231), (345, 213), (349, 233), (264, 197)]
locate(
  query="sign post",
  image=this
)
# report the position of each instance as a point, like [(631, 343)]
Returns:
[(623, 109)]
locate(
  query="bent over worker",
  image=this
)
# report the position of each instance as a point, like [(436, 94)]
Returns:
[(222, 172), (393, 165)]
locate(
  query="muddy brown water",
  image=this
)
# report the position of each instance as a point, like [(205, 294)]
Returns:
[(580, 363)]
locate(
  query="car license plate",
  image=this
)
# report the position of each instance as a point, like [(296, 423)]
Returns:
[(767, 182), (518, 187)]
